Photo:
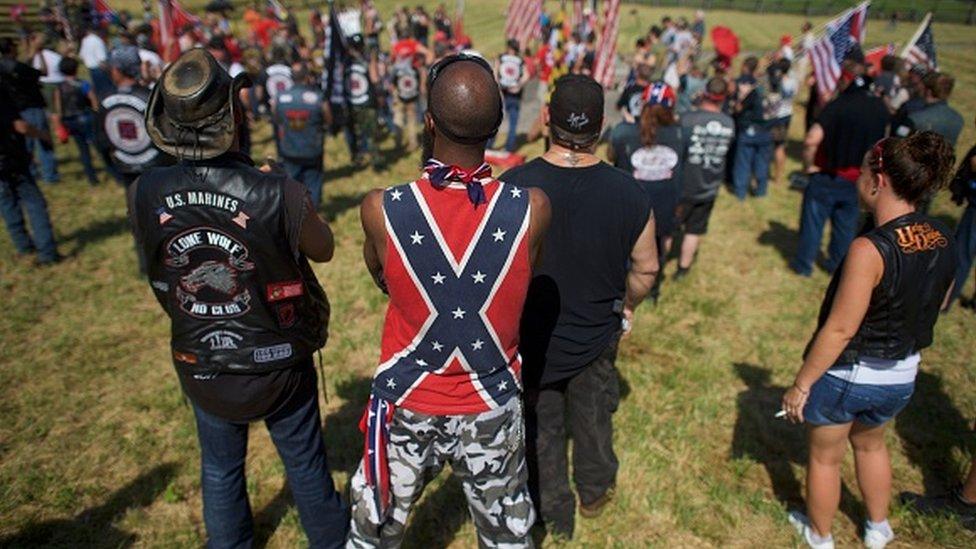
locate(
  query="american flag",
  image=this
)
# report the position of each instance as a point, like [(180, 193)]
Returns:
[(523, 20), (606, 48), (103, 14), (921, 50), (842, 34)]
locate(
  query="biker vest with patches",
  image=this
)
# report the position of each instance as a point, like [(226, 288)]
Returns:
[(122, 128), (301, 126), (406, 80), (919, 265), (221, 266), (358, 88)]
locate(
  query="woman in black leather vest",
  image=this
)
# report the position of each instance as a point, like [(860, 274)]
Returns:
[(878, 313)]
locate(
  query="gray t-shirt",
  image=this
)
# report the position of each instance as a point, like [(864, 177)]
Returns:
[(707, 137)]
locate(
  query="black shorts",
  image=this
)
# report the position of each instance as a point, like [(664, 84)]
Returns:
[(693, 216)]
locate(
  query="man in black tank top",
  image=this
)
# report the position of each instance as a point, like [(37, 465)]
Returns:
[(227, 247)]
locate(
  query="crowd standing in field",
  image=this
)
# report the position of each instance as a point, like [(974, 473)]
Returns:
[(508, 295)]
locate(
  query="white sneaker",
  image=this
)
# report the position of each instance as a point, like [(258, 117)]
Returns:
[(802, 525), (876, 539)]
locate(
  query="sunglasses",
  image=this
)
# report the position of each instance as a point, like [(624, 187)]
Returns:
[(435, 70)]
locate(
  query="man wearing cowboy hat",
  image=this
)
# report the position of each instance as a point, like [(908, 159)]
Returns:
[(227, 248)]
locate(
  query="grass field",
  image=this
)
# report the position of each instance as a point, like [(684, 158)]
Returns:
[(97, 447)]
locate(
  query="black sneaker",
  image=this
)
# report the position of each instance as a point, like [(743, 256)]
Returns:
[(946, 504), (681, 273), (47, 261)]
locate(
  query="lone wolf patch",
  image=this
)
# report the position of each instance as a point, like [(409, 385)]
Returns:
[(211, 263)]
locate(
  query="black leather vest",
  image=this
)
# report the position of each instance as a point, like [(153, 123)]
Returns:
[(122, 130), (221, 267), (919, 265)]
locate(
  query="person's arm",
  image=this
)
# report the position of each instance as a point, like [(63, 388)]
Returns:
[(863, 269), (374, 226), (643, 269), (538, 224), (56, 108), (326, 113), (810, 145), (315, 239), (27, 130)]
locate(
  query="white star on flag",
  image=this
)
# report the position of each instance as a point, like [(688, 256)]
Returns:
[(458, 313), (477, 345), (499, 234), (437, 345), (438, 278), (416, 237), (479, 277), (395, 194), (516, 193), (503, 385), (421, 362), (390, 383)]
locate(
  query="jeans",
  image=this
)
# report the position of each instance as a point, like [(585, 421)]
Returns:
[(102, 82), (35, 116), (308, 175), (513, 106), (753, 152), (965, 248), (835, 401), (296, 432), (82, 130), (584, 405), (19, 193), (826, 196)]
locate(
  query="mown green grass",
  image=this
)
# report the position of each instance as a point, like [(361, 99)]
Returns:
[(97, 447)]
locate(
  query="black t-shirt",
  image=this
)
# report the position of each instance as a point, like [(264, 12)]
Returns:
[(13, 149), (249, 397), (708, 137), (22, 83), (658, 169), (852, 124), (632, 99), (575, 300)]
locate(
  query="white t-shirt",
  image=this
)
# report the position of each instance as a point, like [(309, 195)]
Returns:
[(51, 60), (879, 371), (788, 88), (151, 57), (93, 51)]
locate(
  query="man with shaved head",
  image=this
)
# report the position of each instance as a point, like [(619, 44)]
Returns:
[(454, 251)]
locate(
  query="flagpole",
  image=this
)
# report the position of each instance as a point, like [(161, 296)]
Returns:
[(823, 27), (918, 33)]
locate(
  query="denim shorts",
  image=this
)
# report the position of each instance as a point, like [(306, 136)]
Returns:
[(835, 401)]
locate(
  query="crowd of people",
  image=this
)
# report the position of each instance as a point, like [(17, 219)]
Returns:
[(508, 295)]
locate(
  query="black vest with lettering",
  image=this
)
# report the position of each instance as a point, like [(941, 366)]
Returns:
[(919, 265), (221, 266)]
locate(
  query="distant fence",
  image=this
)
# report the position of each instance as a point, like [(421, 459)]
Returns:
[(946, 11)]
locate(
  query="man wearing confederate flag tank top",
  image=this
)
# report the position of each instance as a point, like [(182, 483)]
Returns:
[(454, 252)]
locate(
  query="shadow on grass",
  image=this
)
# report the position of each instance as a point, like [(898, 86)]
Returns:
[(94, 233), (931, 430), (267, 520), (94, 527), (336, 205), (782, 238), (774, 443)]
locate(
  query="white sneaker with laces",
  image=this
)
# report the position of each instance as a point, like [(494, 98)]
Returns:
[(876, 539), (802, 525)]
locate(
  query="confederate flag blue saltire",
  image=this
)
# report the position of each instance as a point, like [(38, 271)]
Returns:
[(457, 274)]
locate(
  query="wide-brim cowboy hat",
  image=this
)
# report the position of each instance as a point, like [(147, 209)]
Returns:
[(192, 108)]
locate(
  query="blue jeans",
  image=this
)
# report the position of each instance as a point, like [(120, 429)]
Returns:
[(19, 193), (310, 176), (965, 248), (835, 401), (753, 152), (35, 116), (82, 130), (297, 434), (513, 106), (826, 197)]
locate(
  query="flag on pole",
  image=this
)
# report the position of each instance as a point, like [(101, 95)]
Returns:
[(874, 56), (523, 20), (841, 36), (921, 49), (606, 46), (103, 14), (336, 52), (172, 18)]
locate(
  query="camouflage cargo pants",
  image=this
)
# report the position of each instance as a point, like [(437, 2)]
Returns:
[(487, 453)]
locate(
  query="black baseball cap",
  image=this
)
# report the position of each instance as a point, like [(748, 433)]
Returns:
[(576, 110)]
